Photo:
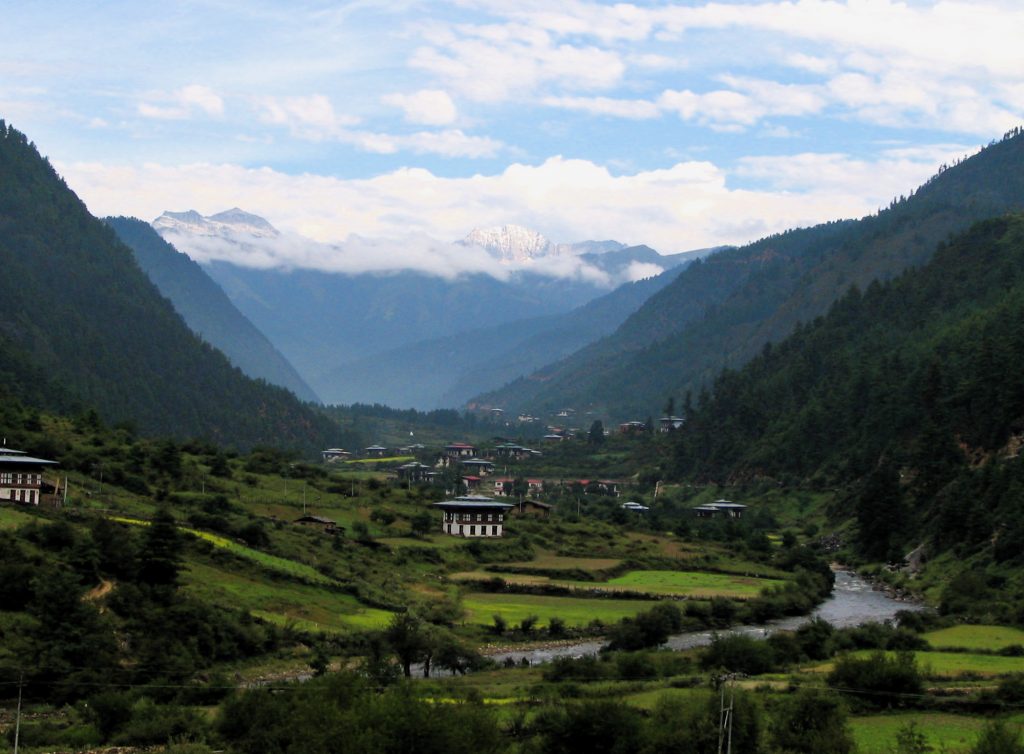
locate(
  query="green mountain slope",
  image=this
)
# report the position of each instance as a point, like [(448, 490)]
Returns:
[(913, 389), (722, 311), (206, 308), (76, 310)]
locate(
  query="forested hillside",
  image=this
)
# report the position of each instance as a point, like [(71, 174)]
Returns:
[(911, 391), (81, 325), (206, 308), (684, 335)]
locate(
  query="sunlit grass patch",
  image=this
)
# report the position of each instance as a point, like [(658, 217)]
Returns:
[(975, 637), (951, 734), (481, 607), (304, 606)]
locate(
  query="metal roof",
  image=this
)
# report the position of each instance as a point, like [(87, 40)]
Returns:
[(17, 456)]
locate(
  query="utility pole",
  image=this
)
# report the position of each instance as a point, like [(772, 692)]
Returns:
[(725, 715), (17, 719)]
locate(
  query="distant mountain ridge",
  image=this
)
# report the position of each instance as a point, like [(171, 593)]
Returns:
[(722, 311), (345, 332), (225, 223), (206, 308)]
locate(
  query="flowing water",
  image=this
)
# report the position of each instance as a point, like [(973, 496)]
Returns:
[(853, 601)]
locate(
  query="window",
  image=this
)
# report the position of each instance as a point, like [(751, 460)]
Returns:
[(501, 517), (488, 517), (479, 516), (5, 478)]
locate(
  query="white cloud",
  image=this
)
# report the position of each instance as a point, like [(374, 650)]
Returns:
[(183, 103), (621, 108), (642, 271), (428, 107), (686, 206), (312, 116), (496, 63)]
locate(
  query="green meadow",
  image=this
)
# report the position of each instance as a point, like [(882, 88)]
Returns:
[(946, 733), (695, 584), (992, 638), (301, 605), (481, 607)]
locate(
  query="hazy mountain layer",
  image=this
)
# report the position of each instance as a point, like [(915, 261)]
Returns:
[(206, 308)]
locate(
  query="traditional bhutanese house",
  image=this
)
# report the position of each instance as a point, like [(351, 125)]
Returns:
[(720, 509), (600, 486), (335, 454), (471, 482), (668, 423), (325, 525), (414, 471), (533, 508), (503, 486), (511, 451), (478, 466), (375, 451), (635, 506), (459, 450), (629, 428), (473, 516), (553, 438), (21, 476)]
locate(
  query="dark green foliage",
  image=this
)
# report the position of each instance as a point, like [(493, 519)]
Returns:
[(591, 727), (340, 713), (693, 726), (105, 338), (739, 654), (810, 722), (885, 680), (161, 551), (650, 628), (997, 738)]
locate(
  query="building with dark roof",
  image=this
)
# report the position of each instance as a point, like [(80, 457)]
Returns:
[(21, 476), (473, 516)]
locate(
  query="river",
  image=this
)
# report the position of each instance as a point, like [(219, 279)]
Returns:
[(853, 601)]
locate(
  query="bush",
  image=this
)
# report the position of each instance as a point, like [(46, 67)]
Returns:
[(739, 654), (880, 679)]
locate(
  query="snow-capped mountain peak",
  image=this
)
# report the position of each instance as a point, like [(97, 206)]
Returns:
[(510, 243), (231, 222)]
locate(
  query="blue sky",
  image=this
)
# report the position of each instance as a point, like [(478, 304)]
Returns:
[(680, 125)]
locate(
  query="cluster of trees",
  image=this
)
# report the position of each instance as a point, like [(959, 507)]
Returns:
[(901, 389), (73, 632)]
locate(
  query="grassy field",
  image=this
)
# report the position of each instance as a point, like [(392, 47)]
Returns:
[(270, 562), (991, 638), (950, 664), (946, 733), (11, 518), (548, 561), (669, 583), (304, 606), (481, 607), (692, 584)]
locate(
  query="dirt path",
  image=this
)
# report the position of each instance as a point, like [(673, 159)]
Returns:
[(99, 591)]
